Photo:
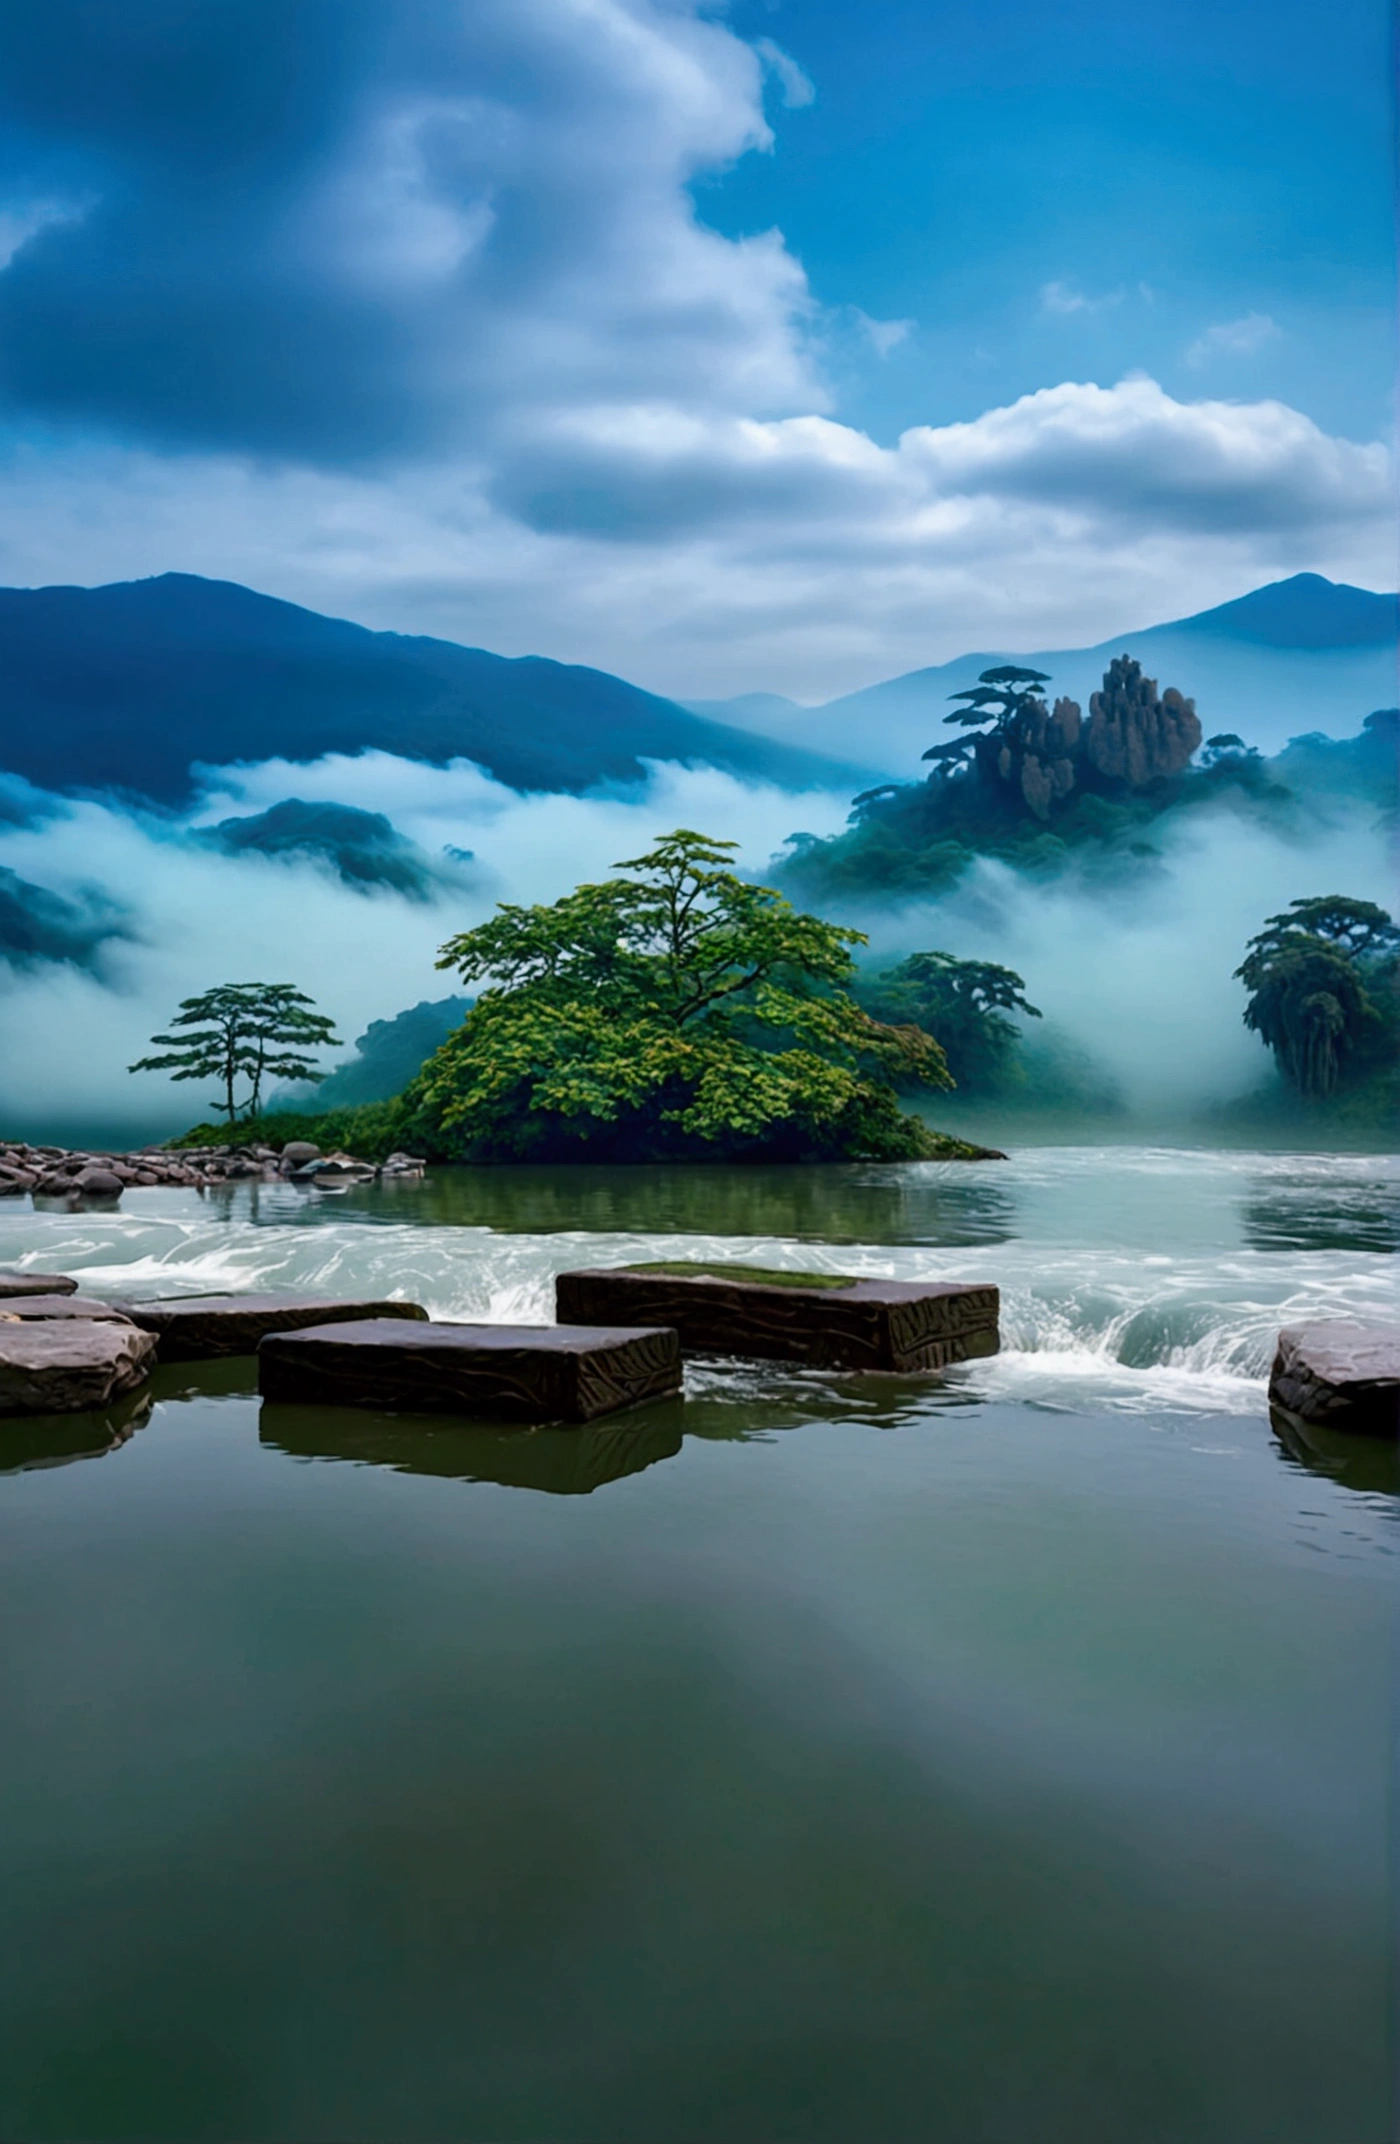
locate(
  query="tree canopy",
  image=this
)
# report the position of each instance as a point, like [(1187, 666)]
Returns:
[(1320, 978), (242, 1031), (964, 1003), (678, 1010)]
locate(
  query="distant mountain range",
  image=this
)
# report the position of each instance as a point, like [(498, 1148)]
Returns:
[(128, 687), (1298, 655), (131, 686)]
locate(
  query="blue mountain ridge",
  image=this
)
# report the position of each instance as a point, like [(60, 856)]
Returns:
[(1297, 655), (128, 687)]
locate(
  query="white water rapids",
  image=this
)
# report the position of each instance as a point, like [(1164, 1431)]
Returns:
[(1140, 1279)]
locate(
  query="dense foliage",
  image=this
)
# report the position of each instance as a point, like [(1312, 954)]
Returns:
[(964, 1003), (1038, 787), (1322, 982), (251, 1031), (675, 1012)]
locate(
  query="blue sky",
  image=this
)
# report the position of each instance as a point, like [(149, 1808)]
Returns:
[(787, 346), (1159, 170)]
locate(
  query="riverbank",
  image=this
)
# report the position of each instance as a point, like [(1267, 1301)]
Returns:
[(79, 1175)]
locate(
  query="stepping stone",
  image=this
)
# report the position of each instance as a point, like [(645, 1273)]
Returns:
[(59, 1306), (37, 1284), (532, 1373), (1340, 1374), (192, 1327), (69, 1366), (560, 1462), (832, 1321)]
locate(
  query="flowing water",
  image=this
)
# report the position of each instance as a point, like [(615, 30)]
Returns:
[(1000, 1757)]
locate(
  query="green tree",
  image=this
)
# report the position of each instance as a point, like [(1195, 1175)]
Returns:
[(964, 1004), (996, 706), (679, 1010), (1314, 974), (286, 1028), (242, 1031)]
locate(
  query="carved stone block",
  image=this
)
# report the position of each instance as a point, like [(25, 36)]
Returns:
[(831, 1321), (531, 1373), (193, 1327)]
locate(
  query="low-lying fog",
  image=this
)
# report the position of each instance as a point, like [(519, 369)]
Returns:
[(1139, 978)]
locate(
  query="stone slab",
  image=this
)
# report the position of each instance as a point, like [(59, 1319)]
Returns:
[(37, 1284), (531, 1373), (833, 1322), (1341, 1374), (69, 1366), (59, 1306), (191, 1328)]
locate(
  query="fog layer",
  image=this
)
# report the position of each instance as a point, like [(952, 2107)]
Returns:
[(1138, 976)]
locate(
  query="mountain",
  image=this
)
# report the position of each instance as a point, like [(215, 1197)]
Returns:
[(128, 687), (363, 847), (1298, 655), (1304, 612)]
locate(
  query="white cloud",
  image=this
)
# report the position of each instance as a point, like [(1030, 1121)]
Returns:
[(467, 360), (797, 86), (882, 335), (1233, 338), (480, 213), (700, 554), (1068, 298), (23, 219)]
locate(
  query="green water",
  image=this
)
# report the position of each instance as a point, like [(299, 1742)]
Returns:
[(810, 1758)]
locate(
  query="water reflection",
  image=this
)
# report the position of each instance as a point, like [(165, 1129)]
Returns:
[(1370, 1464), (56, 1440), (563, 1462), (937, 1203), (724, 1402)]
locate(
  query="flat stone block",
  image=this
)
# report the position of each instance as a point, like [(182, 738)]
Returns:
[(37, 1284), (24, 1307), (832, 1321), (1340, 1374), (69, 1366), (192, 1327), (531, 1373)]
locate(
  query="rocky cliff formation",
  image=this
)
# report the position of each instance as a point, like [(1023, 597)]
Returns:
[(1039, 755), (1132, 735)]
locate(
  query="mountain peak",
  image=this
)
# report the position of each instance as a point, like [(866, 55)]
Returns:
[(1305, 611)]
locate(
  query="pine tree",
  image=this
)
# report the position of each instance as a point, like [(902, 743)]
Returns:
[(242, 1031)]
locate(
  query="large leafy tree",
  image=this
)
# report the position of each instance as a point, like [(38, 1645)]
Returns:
[(1314, 974), (242, 1031), (963, 1003), (676, 1010)]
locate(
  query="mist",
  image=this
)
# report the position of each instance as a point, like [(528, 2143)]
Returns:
[(195, 917), (1139, 977)]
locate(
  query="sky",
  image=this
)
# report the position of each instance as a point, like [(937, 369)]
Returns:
[(784, 346)]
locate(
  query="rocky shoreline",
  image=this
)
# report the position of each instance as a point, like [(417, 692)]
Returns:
[(76, 1176)]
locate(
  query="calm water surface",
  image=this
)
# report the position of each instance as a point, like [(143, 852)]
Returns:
[(1002, 1758)]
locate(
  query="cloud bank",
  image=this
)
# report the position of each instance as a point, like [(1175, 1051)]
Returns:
[(411, 314)]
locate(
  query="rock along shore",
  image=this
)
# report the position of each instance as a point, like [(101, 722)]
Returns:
[(78, 1174)]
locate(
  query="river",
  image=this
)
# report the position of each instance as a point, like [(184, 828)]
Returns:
[(1002, 1758)]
